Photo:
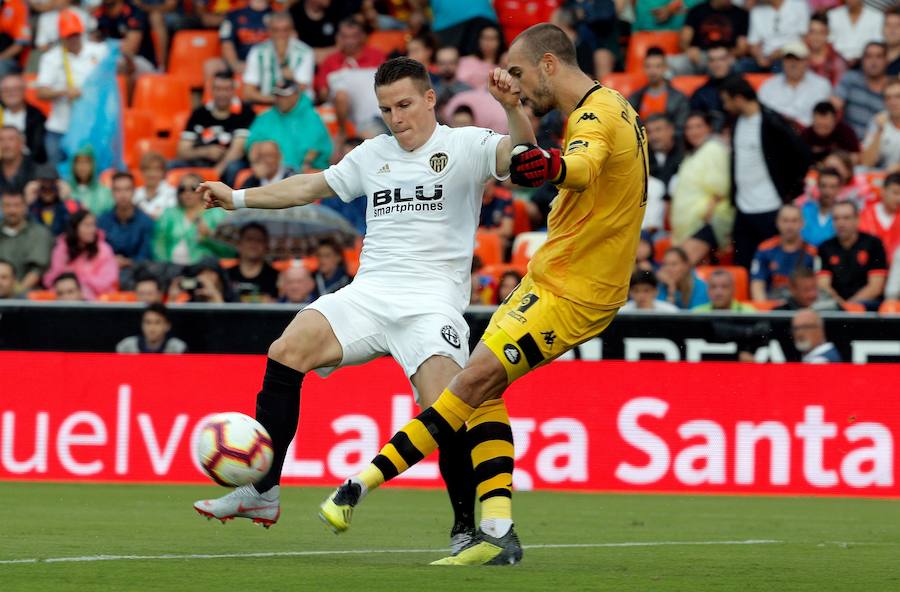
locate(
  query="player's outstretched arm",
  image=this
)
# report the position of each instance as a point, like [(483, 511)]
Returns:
[(298, 190), (504, 88)]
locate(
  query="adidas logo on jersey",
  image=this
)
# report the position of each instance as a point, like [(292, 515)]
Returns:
[(385, 169)]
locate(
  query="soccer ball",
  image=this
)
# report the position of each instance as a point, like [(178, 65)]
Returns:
[(234, 449)]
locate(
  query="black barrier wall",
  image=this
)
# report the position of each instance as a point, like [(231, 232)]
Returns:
[(249, 329)]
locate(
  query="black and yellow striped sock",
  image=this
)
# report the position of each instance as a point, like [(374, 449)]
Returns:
[(430, 429), (490, 435)]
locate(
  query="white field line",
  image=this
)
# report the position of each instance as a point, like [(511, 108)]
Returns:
[(88, 558)]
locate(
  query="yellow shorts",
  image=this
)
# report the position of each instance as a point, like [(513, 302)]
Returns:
[(533, 326)]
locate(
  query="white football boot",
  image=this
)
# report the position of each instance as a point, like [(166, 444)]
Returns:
[(243, 502)]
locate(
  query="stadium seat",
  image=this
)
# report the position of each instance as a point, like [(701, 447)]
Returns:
[(757, 80), (766, 305), (136, 125), (118, 297), (165, 146), (189, 52), (42, 295), (626, 83), (228, 263), (515, 16), (122, 81), (688, 84), (521, 219), (329, 118), (890, 307), (498, 269), (854, 307), (641, 41), (524, 246), (174, 176), (740, 275), (31, 94), (388, 41), (164, 96), (660, 247), (241, 177), (488, 247)]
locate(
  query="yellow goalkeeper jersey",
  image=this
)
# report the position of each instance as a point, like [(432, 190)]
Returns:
[(595, 220)]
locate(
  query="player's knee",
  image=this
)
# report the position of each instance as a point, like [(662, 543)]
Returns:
[(290, 354), (479, 382)]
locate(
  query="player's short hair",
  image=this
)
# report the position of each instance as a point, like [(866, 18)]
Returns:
[(824, 108), (801, 273), (655, 52), (892, 179), (10, 264), (402, 67), (122, 175), (546, 38), (830, 172), (66, 276), (643, 277), (253, 226), (158, 308), (848, 202), (737, 86)]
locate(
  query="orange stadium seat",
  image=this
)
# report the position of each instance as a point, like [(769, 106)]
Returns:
[(660, 247), (165, 146), (241, 177), (766, 305), (329, 118), (515, 16), (122, 81), (189, 52), (165, 96), (854, 307), (521, 219), (740, 275), (488, 247), (757, 80), (31, 94), (136, 126), (118, 297), (626, 83), (42, 295), (388, 41), (890, 307), (174, 176), (228, 263), (498, 269), (525, 245), (688, 84), (641, 41)]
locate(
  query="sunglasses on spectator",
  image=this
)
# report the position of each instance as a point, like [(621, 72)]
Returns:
[(185, 189)]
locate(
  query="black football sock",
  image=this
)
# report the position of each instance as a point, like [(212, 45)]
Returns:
[(278, 410), (455, 461)]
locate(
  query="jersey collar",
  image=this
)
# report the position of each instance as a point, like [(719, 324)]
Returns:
[(597, 86)]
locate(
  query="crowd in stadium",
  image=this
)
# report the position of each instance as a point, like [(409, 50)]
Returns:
[(773, 128)]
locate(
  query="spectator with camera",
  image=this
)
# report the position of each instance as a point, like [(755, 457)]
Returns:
[(253, 279), (203, 282), (156, 335), (82, 250), (643, 294), (808, 331), (680, 284), (48, 206), (23, 242)]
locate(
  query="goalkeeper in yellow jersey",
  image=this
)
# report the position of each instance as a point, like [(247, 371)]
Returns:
[(575, 283)]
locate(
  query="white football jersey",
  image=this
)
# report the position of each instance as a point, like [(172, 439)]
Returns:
[(422, 210)]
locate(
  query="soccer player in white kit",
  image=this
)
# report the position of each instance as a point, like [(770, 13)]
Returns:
[(423, 186)]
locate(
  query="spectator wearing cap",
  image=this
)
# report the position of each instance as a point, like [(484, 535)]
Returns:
[(853, 263), (17, 169), (882, 218), (242, 28), (16, 112), (67, 288), (156, 195), (61, 73), (297, 129), (795, 91), (778, 256), (882, 144), (658, 96), (643, 294), (859, 93), (156, 335), (665, 147), (282, 58), (7, 280), (183, 234), (768, 164), (296, 285), (128, 230), (828, 133), (803, 292), (681, 285), (23, 242), (720, 286), (266, 164), (892, 40), (253, 279), (823, 59), (15, 35), (48, 206), (773, 25), (853, 25), (808, 331), (47, 27), (83, 251), (818, 226), (216, 133)]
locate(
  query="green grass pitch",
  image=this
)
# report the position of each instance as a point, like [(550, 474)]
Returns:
[(819, 543)]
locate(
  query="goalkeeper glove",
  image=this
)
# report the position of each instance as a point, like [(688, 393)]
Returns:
[(531, 165)]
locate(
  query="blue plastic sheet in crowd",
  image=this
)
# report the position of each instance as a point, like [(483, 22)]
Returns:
[(97, 117)]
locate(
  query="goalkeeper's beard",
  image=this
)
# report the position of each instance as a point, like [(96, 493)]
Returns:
[(542, 101)]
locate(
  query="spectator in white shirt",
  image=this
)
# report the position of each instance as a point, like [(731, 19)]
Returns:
[(155, 196), (643, 292), (852, 26), (282, 57), (882, 145), (796, 91), (773, 25), (61, 73)]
